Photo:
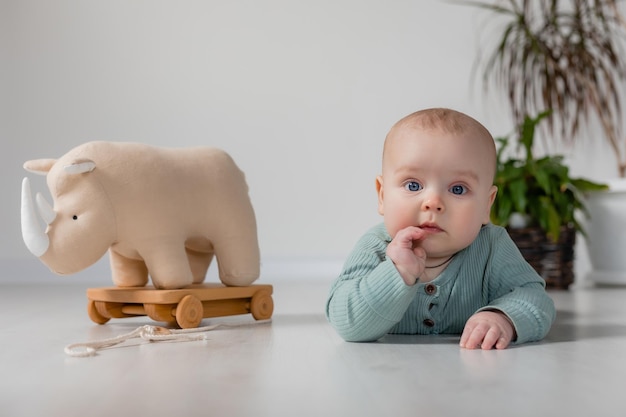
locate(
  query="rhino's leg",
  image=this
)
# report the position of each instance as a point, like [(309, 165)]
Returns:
[(200, 254), (199, 263), (128, 272), (238, 260), (168, 265)]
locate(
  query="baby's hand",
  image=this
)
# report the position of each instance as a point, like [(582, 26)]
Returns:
[(486, 330), (408, 257)]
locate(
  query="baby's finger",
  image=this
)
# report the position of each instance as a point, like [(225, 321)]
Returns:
[(503, 342), (419, 252), (465, 335), (491, 338), (423, 234), (416, 233), (474, 337), (406, 237)]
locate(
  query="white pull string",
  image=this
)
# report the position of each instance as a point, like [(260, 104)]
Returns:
[(151, 334)]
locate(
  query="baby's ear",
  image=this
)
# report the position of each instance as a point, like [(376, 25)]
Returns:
[(379, 191), (492, 197)]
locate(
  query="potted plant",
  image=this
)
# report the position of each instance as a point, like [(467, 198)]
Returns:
[(538, 201), (568, 56)]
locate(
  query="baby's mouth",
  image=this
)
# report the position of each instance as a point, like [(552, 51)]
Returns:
[(431, 227)]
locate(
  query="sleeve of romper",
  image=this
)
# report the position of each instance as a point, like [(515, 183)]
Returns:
[(369, 297), (519, 292)]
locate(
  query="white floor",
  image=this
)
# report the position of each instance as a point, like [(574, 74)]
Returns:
[(297, 366)]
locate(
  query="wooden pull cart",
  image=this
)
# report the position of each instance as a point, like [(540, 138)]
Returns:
[(185, 307)]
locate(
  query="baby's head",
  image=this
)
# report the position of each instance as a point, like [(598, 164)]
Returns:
[(450, 122), (438, 172)]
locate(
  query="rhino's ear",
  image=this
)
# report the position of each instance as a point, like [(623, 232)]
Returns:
[(39, 166), (80, 167)]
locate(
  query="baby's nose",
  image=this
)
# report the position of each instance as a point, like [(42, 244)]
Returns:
[(433, 203)]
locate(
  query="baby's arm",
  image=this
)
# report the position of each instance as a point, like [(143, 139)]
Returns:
[(513, 288), (486, 330), (406, 255), (369, 297)]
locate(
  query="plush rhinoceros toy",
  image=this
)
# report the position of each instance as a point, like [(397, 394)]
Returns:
[(163, 213)]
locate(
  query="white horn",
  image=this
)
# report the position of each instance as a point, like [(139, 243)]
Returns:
[(45, 209), (80, 168), (36, 241)]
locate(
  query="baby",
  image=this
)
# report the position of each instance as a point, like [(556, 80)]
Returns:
[(436, 265)]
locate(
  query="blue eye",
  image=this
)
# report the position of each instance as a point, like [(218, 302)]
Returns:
[(458, 190), (413, 186)]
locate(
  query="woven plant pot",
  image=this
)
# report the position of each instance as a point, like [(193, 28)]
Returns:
[(553, 261)]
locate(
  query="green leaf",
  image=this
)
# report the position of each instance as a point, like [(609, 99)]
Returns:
[(584, 185), (552, 219), (543, 180), (518, 189)]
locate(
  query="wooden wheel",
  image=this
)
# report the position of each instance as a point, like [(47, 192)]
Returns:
[(189, 312), (262, 305), (93, 313), (110, 310), (160, 312)]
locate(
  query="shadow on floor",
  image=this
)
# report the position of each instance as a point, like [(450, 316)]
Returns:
[(404, 339), (566, 329)]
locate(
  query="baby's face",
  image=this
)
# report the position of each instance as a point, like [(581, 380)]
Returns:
[(439, 181)]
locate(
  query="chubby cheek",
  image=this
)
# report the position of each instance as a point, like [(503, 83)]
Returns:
[(466, 235), (467, 226), (398, 218), (391, 227)]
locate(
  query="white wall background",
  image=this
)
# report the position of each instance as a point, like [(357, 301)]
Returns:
[(300, 93)]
